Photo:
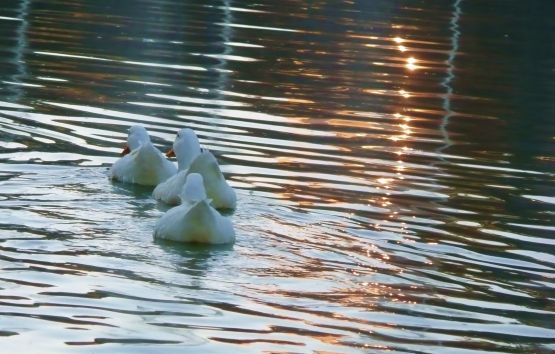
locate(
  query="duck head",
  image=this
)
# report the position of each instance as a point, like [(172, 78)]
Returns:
[(193, 190), (186, 148), (137, 136)]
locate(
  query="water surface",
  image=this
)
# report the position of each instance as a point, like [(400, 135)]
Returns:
[(393, 162)]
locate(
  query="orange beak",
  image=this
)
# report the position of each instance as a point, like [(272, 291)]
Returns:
[(126, 150), (170, 153)]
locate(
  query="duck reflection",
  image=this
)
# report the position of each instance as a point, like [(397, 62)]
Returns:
[(195, 260)]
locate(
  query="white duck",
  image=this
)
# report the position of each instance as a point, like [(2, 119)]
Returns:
[(186, 148), (142, 163), (194, 220)]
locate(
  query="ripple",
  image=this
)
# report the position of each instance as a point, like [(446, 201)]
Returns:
[(390, 195), (544, 199)]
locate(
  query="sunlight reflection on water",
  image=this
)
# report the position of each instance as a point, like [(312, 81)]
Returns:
[(390, 197)]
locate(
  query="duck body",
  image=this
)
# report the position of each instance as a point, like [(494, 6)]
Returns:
[(144, 164), (194, 223), (167, 191), (195, 220)]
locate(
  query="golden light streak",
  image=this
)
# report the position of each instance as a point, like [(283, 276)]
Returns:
[(411, 64)]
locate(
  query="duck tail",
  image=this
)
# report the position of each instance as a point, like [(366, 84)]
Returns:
[(201, 212)]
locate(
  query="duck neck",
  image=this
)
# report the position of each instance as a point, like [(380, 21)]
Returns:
[(184, 161), (186, 149)]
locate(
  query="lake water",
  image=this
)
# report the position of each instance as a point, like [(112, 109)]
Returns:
[(394, 163)]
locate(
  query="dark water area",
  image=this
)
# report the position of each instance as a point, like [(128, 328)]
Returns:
[(394, 164)]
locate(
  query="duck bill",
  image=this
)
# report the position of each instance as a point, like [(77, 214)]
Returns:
[(170, 153), (126, 150)]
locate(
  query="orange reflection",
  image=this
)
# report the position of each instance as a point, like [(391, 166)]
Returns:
[(404, 131), (411, 64)]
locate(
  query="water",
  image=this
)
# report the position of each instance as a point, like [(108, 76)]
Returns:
[(393, 162)]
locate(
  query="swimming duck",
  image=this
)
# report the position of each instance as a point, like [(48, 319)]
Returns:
[(194, 220), (186, 148), (141, 163)]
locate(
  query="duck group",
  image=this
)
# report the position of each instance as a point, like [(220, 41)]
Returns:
[(196, 188)]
